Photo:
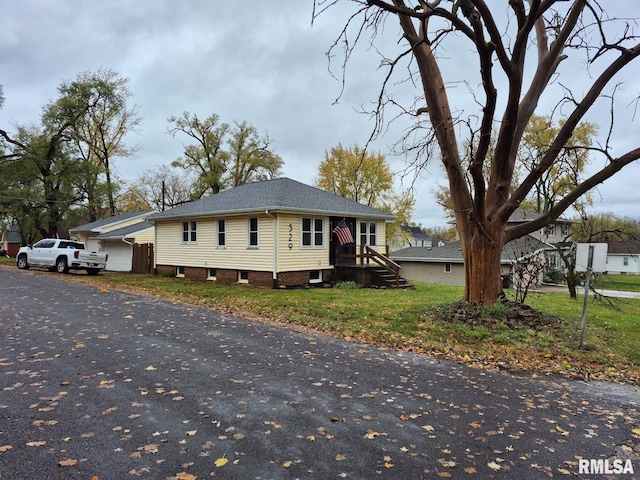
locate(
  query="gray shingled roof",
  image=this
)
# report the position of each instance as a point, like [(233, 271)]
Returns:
[(13, 234), (626, 247), (452, 253), (98, 224), (520, 216), (282, 194), (124, 232), (416, 232)]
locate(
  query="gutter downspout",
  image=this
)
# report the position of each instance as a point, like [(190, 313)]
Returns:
[(275, 248)]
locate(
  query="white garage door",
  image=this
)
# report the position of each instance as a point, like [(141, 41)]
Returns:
[(119, 256)]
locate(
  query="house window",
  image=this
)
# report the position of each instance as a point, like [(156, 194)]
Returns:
[(551, 230), (243, 277), (189, 232), (625, 261), (552, 260), (211, 274), (447, 268), (368, 233), (252, 239), (222, 233), (180, 272), (315, 276), (564, 229), (312, 232)]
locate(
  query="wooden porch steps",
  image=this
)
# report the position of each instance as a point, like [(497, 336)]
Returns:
[(388, 280)]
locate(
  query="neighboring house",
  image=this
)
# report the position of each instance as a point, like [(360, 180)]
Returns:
[(623, 257), (415, 237), (119, 244), (444, 265), (557, 235), (11, 241), (271, 233), (116, 236)]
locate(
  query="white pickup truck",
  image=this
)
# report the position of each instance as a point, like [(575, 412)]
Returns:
[(61, 256)]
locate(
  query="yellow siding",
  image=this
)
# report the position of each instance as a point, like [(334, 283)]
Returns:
[(117, 225), (290, 255), (145, 236), (298, 258), (236, 255)]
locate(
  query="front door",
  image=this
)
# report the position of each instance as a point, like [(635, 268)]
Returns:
[(342, 248)]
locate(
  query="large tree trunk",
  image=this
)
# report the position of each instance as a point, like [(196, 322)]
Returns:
[(482, 250)]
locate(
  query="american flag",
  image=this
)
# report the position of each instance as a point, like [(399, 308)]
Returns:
[(343, 234)]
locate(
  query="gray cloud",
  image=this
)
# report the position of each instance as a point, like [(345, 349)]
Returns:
[(262, 62)]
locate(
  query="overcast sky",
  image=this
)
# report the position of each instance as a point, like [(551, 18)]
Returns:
[(255, 61)]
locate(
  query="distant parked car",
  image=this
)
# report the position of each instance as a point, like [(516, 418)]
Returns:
[(61, 255)]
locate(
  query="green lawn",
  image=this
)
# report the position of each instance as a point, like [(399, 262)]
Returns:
[(625, 283), (427, 320)]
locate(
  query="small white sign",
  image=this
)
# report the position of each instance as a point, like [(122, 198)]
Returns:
[(594, 252)]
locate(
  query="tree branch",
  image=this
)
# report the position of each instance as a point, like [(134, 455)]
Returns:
[(614, 166)]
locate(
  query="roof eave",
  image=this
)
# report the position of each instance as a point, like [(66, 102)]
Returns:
[(271, 209)]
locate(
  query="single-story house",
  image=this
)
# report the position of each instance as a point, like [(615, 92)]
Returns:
[(444, 265), (623, 257), (116, 236), (272, 233), (11, 241)]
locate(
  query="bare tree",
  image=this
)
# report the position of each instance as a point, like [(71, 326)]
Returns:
[(499, 38)]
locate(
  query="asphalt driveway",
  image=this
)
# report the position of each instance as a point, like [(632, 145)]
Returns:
[(113, 385)]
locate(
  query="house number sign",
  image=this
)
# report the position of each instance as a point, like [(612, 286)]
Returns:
[(290, 236)]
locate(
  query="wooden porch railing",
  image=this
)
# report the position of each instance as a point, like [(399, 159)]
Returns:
[(368, 254)]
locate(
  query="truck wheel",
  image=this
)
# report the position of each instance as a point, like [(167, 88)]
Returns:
[(92, 271), (61, 265), (22, 262)]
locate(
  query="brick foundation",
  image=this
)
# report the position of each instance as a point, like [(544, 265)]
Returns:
[(262, 279)]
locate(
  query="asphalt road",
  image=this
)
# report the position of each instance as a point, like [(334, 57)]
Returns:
[(113, 385)]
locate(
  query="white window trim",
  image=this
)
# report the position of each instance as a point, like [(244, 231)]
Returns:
[(315, 280), (447, 267), (209, 276), (179, 272), (243, 280), (366, 233), (312, 232), (257, 231), (218, 233), (189, 231)]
